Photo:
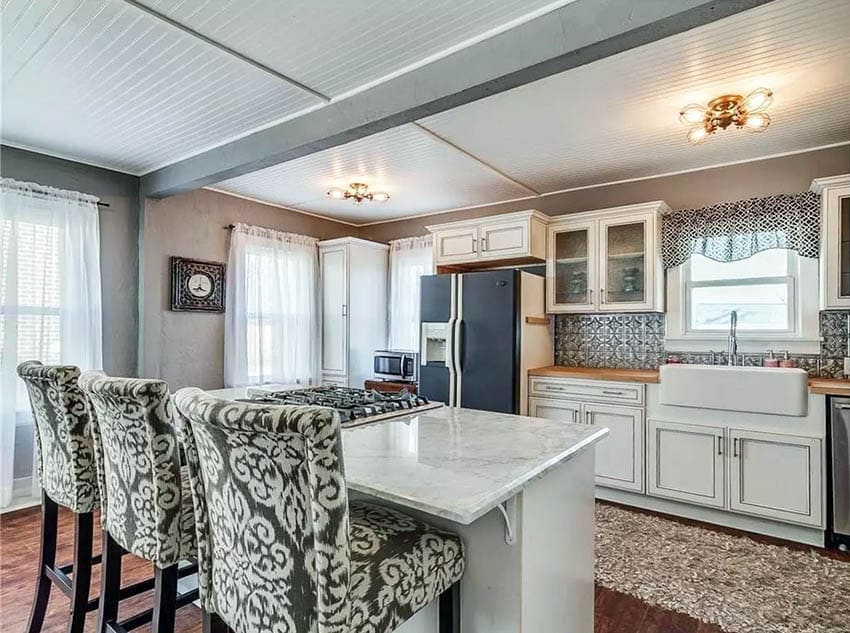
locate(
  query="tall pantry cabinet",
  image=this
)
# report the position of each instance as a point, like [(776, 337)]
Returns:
[(353, 276)]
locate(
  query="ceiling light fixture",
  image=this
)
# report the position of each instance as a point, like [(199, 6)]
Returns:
[(357, 192), (743, 112)]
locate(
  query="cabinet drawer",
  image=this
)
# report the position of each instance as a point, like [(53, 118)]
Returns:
[(602, 390), (334, 381)]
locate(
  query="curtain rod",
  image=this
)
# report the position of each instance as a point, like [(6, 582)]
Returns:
[(40, 194)]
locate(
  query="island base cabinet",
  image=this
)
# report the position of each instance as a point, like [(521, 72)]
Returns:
[(776, 476), (686, 462)]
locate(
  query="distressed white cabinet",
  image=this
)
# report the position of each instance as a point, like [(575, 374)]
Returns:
[(619, 457), (686, 462), (606, 261), (835, 241), (515, 237), (776, 476), (353, 275)]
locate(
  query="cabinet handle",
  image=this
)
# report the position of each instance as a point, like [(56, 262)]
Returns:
[(344, 310), (575, 416), (590, 295), (587, 417), (719, 444), (735, 447), (474, 245), (483, 244), (552, 388), (602, 295), (843, 407), (612, 393)]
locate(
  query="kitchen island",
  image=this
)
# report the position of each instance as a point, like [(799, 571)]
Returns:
[(519, 490)]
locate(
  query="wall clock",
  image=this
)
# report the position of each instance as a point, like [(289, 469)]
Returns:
[(196, 285)]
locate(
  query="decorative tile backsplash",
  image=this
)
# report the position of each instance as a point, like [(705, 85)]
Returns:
[(636, 341)]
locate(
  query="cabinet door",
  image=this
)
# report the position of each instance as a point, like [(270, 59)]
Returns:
[(456, 245), (776, 476), (619, 457), (626, 260), (566, 410), (500, 240), (685, 462), (836, 258), (570, 268), (334, 264)]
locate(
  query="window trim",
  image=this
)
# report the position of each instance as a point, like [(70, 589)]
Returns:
[(805, 339)]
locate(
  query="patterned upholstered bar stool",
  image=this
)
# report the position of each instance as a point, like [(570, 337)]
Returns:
[(146, 506), (279, 546), (66, 470)]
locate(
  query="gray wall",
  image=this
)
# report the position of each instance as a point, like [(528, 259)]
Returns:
[(787, 174), (119, 262), (187, 348)]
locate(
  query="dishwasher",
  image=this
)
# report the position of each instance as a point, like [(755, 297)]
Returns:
[(839, 441)]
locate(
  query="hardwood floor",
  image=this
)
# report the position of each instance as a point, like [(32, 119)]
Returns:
[(615, 612)]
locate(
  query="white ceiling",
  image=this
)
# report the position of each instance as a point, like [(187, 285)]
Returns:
[(615, 119), (103, 82), (406, 162)]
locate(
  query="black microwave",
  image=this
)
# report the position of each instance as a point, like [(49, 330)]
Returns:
[(396, 365)]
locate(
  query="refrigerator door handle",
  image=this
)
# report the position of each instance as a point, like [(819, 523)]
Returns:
[(450, 361)]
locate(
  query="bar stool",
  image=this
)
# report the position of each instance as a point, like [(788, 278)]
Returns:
[(146, 506), (279, 547), (66, 470)]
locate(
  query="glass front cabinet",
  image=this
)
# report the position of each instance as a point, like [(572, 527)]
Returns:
[(835, 241), (606, 261)]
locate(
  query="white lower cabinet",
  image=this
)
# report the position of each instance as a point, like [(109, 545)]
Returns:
[(619, 457), (769, 475), (776, 476), (686, 462)]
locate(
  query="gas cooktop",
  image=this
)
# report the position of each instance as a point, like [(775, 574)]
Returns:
[(353, 405)]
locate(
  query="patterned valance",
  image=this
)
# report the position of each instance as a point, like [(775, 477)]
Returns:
[(733, 231)]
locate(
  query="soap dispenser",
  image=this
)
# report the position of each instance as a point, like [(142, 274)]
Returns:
[(771, 360), (787, 361)]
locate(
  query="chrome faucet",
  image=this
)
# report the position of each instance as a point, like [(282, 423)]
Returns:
[(732, 352)]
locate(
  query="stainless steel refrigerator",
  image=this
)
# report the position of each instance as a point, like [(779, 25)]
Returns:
[(477, 344)]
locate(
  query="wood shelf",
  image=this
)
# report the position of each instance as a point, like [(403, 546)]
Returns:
[(535, 320)]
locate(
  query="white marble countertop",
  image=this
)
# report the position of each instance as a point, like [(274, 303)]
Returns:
[(452, 462), (457, 463)]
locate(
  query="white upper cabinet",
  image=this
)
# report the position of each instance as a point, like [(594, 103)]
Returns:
[(514, 237), (835, 241), (606, 261)]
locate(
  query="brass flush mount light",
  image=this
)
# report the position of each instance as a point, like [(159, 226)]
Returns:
[(742, 112), (357, 192)]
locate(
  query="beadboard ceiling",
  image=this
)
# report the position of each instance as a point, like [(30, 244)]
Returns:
[(611, 120), (104, 82)]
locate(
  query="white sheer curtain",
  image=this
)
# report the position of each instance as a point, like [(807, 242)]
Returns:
[(410, 258), (272, 319), (50, 303)]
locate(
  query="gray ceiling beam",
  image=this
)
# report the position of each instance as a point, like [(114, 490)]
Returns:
[(576, 34)]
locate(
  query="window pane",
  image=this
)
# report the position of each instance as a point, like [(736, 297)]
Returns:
[(760, 307), (772, 263)]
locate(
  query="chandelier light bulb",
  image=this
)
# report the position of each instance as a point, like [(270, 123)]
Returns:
[(757, 122), (358, 192), (692, 114), (759, 99), (380, 196), (697, 135), (336, 193)]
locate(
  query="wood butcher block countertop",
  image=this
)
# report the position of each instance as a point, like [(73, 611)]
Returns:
[(826, 386), (597, 373), (830, 386)]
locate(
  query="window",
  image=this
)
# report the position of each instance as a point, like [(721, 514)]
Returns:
[(410, 258), (762, 289)]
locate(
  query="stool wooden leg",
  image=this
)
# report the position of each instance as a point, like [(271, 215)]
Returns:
[(213, 624), (110, 582), (46, 558), (81, 578), (165, 599)]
